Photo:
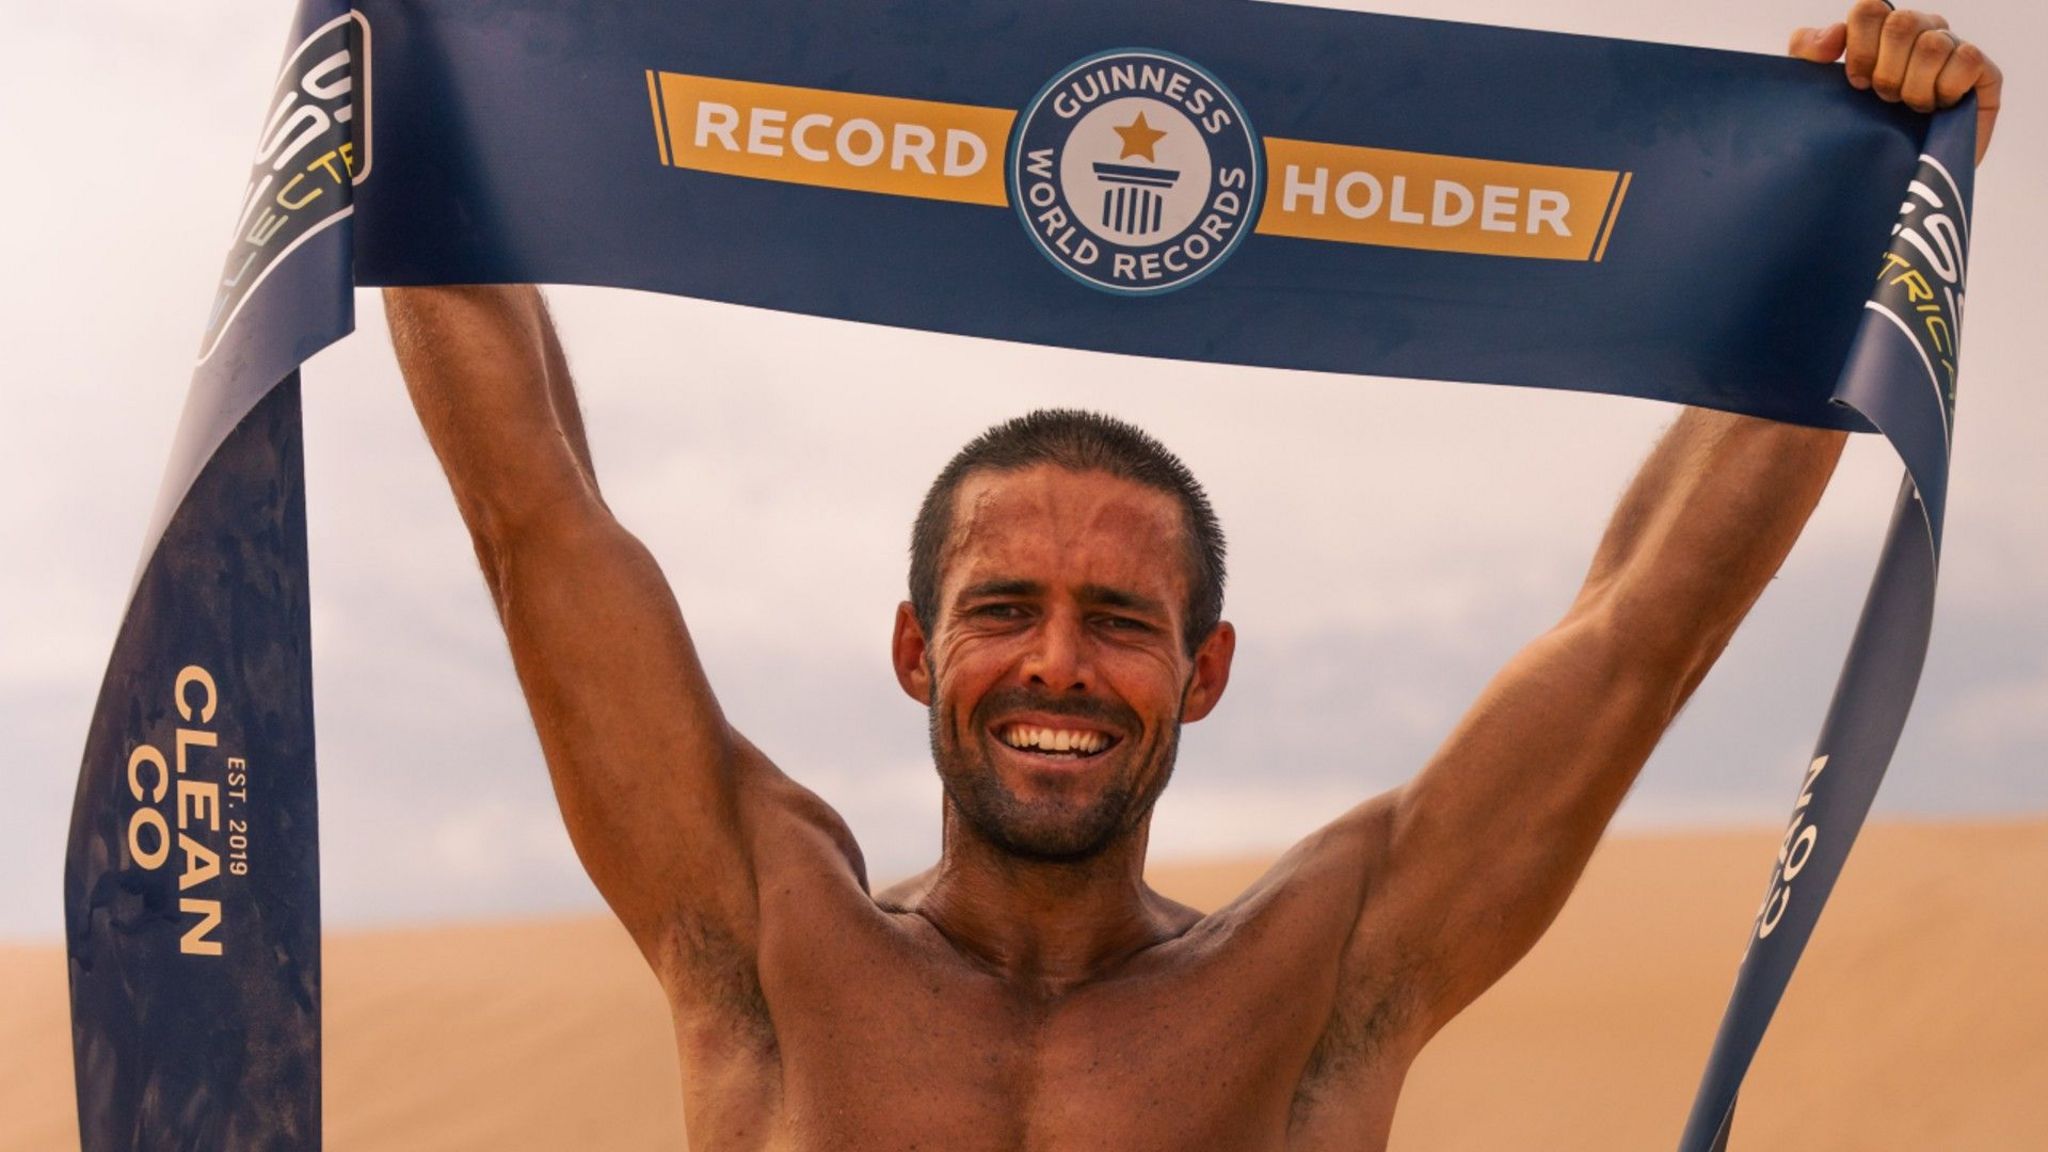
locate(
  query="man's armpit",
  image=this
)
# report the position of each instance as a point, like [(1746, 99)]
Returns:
[(1369, 1026), (711, 971)]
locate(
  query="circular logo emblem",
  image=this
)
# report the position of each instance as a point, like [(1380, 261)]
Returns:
[(1135, 171)]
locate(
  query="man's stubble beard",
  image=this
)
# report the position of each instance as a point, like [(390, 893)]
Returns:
[(1047, 833)]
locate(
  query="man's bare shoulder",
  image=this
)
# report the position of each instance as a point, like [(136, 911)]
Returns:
[(793, 834), (805, 862), (1324, 876)]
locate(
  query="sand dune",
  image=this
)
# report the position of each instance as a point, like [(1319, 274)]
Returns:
[(1918, 1021)]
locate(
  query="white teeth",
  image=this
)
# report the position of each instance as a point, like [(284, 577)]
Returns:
[(1054, 739)]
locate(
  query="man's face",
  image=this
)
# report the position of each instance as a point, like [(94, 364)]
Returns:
[(1055, 672)]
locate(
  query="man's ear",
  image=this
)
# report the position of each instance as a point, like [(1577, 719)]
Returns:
[(1212, 673), (907, 650)]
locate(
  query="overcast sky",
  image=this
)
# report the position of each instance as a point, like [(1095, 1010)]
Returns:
[(1391, 542)]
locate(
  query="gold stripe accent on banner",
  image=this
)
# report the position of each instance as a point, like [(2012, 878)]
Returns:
[(920, 148), (654, 105), (1613, 215), (1380, 196)]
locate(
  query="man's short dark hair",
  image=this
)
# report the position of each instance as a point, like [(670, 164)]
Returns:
[(1078, 442)]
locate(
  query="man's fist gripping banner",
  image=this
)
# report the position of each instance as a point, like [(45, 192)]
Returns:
[(1209, 180)]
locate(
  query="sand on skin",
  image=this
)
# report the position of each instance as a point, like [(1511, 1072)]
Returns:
[(1918, 1021)]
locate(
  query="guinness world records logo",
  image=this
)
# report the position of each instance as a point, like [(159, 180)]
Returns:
[(1135, 171)]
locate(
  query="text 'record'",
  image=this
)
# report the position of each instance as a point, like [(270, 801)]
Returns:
[(1206, 180)]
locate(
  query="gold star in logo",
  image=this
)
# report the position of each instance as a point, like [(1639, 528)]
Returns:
[(1139, 139)]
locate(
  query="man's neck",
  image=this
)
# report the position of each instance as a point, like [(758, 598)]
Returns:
[(1047, 927)]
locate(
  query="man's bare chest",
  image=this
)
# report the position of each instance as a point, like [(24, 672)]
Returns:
[(905, 1047)]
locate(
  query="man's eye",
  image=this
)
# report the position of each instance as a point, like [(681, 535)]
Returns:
[(999, 611), (1125, 624)]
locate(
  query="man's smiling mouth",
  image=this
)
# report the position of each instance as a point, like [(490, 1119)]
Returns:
[(1073, 743)]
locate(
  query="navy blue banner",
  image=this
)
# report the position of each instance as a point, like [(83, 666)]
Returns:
[(191, 895), (1211, 180), (1901, 374), (191, 881), (1759, 189)]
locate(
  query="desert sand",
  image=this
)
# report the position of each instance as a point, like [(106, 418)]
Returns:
[(1919, 1019)]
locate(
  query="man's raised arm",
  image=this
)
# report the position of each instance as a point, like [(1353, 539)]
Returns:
[(1487, 841), (1475, 856), (652, 782)]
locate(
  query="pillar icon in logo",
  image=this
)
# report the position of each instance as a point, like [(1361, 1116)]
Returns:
[(1135, 171)]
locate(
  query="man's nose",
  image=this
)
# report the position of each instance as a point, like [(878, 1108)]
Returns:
[(1059, 657)]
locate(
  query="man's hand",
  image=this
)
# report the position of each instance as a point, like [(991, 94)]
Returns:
[(1907, 57)]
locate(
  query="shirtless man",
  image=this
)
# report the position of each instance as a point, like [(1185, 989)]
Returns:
[(1030, 992)]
